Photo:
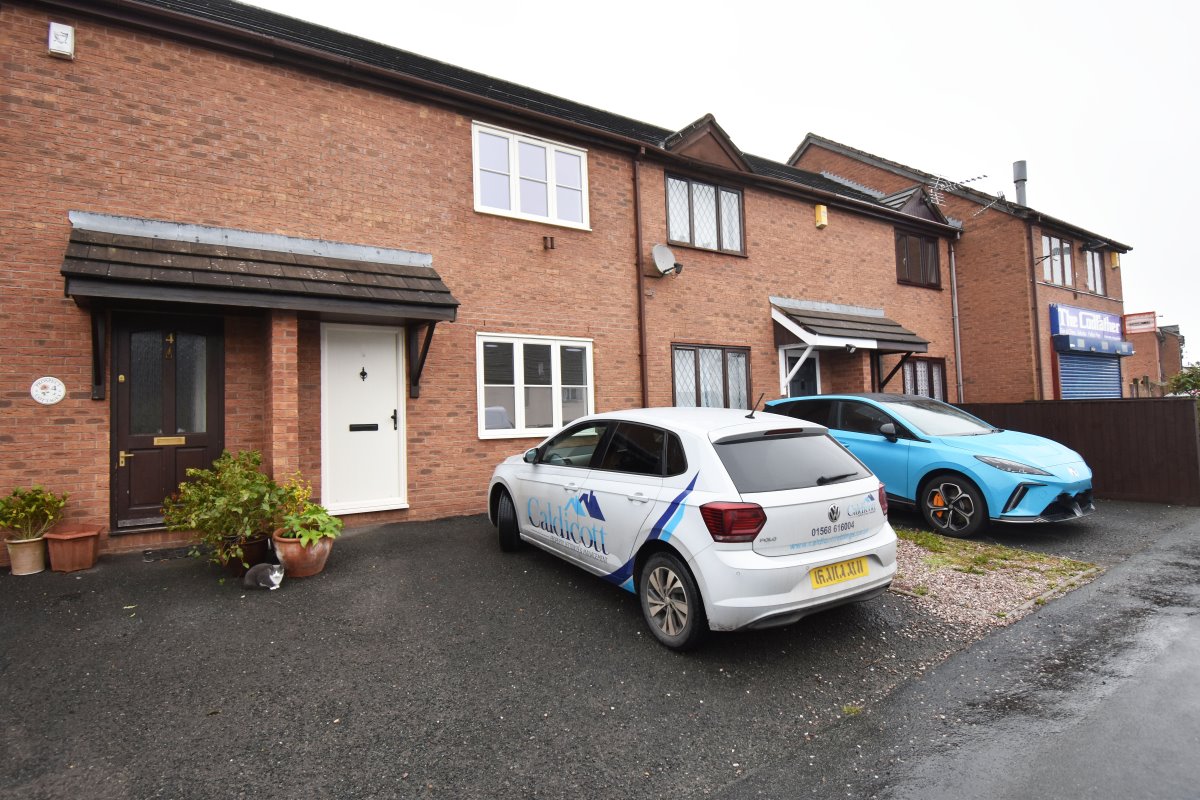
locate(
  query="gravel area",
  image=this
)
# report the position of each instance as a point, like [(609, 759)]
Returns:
[(975, 588)]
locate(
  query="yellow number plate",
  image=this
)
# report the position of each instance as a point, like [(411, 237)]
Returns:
[(830, 574)]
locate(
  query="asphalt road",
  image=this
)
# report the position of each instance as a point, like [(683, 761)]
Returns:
[(424, 662)]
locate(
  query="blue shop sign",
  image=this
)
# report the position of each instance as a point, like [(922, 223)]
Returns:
[(1064, 343), (1083, 322)]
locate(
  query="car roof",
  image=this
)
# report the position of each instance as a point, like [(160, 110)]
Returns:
[(878, 397), (701, 421)]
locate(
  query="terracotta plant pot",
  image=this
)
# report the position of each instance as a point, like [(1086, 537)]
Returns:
[(300, 561), (74, 547), (27, 556)]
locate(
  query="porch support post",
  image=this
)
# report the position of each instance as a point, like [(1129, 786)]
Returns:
[(281, 448)]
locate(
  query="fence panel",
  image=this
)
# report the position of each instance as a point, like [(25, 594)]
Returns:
[(1146, 449)]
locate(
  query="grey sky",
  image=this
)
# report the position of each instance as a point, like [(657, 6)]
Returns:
[(1099, 98)]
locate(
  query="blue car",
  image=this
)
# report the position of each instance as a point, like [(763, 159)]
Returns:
[(956, 469)]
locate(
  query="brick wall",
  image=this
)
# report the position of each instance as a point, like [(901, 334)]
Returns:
[(145, 127), (1000, 337)]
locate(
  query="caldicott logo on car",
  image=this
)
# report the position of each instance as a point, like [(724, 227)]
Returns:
[(575, 522), (834, 513)]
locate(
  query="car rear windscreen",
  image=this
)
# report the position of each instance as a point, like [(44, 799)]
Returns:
[(779, 463)]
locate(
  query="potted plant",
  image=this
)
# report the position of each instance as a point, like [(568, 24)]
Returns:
[(306, 530), (28, 514), (231, 508), (73, 546)]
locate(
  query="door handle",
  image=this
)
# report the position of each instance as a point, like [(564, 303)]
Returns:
[(638, 498), (121, 456), (570, 487), (395, 419)]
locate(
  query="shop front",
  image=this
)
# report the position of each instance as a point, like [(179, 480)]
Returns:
[(1088, 348)]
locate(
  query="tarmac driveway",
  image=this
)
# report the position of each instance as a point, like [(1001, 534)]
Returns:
[(423, 662)]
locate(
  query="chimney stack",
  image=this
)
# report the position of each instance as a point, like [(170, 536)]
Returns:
[(1019, 178)]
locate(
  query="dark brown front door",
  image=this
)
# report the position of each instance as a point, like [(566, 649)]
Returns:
[(168, 409)]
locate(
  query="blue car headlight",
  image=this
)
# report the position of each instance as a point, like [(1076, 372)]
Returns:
[(1011, 466)]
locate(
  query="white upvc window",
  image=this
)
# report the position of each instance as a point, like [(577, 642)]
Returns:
[(531, 385), (529, 178)]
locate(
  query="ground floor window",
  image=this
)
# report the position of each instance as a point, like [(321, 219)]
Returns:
[(925, 377), (530, 385), (711, 377)]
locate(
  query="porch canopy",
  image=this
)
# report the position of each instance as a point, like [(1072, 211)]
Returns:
[(112, 258), (133, 263), (810, 325)]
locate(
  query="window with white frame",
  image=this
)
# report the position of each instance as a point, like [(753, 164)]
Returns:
[(1056, 261), (529, 178), (1095, 271), (704, 215), (531, 385)]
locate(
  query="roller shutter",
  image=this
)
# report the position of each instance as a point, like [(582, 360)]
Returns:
[(1089, 377)]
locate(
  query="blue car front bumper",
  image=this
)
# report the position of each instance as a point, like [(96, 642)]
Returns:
[(1049, 499)]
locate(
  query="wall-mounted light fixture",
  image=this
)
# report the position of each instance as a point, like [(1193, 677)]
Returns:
[(850, 349), (822, 215), (1114, 259), (547, 242)]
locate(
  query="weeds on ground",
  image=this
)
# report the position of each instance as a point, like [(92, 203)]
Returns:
[(978, 558)]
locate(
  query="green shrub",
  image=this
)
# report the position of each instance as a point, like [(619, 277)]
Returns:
[(29, 513)]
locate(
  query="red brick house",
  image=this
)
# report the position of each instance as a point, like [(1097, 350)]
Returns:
[(1158, 355), (1039, 298), (228, 229)]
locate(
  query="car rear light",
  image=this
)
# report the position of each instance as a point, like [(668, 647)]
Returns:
[(733, 522), (883, 498)]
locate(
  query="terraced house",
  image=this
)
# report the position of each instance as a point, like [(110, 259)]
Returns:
[(228, 229), (1039, 297)]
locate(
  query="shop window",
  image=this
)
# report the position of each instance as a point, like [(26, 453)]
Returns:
[(704, 215), (529, 178), (711, 377), (917, 260), (530, 385), (1056, 261), (925, 377), (1095, 271)]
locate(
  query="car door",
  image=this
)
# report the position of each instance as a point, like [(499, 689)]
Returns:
[(625, 484), (553, 506), (857, 425)]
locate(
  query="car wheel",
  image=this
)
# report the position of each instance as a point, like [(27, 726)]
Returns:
[(506, 523), (953, 506), (671, 603)]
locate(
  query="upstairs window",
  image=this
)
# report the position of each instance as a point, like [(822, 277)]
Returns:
[(1095, 271), (529, 178), (917, 260), (1056, 261), (704, 215)]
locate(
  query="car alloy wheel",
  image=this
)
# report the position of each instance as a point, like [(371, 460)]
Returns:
[(671, 602), (953, 506)]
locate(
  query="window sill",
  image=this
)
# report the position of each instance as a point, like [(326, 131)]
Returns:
[(554, 223), (540, 433), (934, 286), (686, 246)]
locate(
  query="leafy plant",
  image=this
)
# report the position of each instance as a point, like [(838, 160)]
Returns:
[(1187, 381), (227, 506), (302, 519), (29, 513)]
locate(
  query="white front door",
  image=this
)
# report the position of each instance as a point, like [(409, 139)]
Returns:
[(362, 418)]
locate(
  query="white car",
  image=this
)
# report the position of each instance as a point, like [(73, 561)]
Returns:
[(717, 519)]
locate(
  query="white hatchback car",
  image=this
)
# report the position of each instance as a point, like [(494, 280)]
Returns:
[(716, 519)]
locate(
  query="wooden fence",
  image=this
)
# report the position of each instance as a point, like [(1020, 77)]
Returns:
[(1145, 450)]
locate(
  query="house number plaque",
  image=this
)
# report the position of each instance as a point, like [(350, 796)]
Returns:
[(48, 390)]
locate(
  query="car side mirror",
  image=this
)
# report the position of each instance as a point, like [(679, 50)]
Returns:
[(531, 455), (888, 429)]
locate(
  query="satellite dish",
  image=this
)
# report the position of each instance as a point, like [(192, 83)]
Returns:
[(665, 261)]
